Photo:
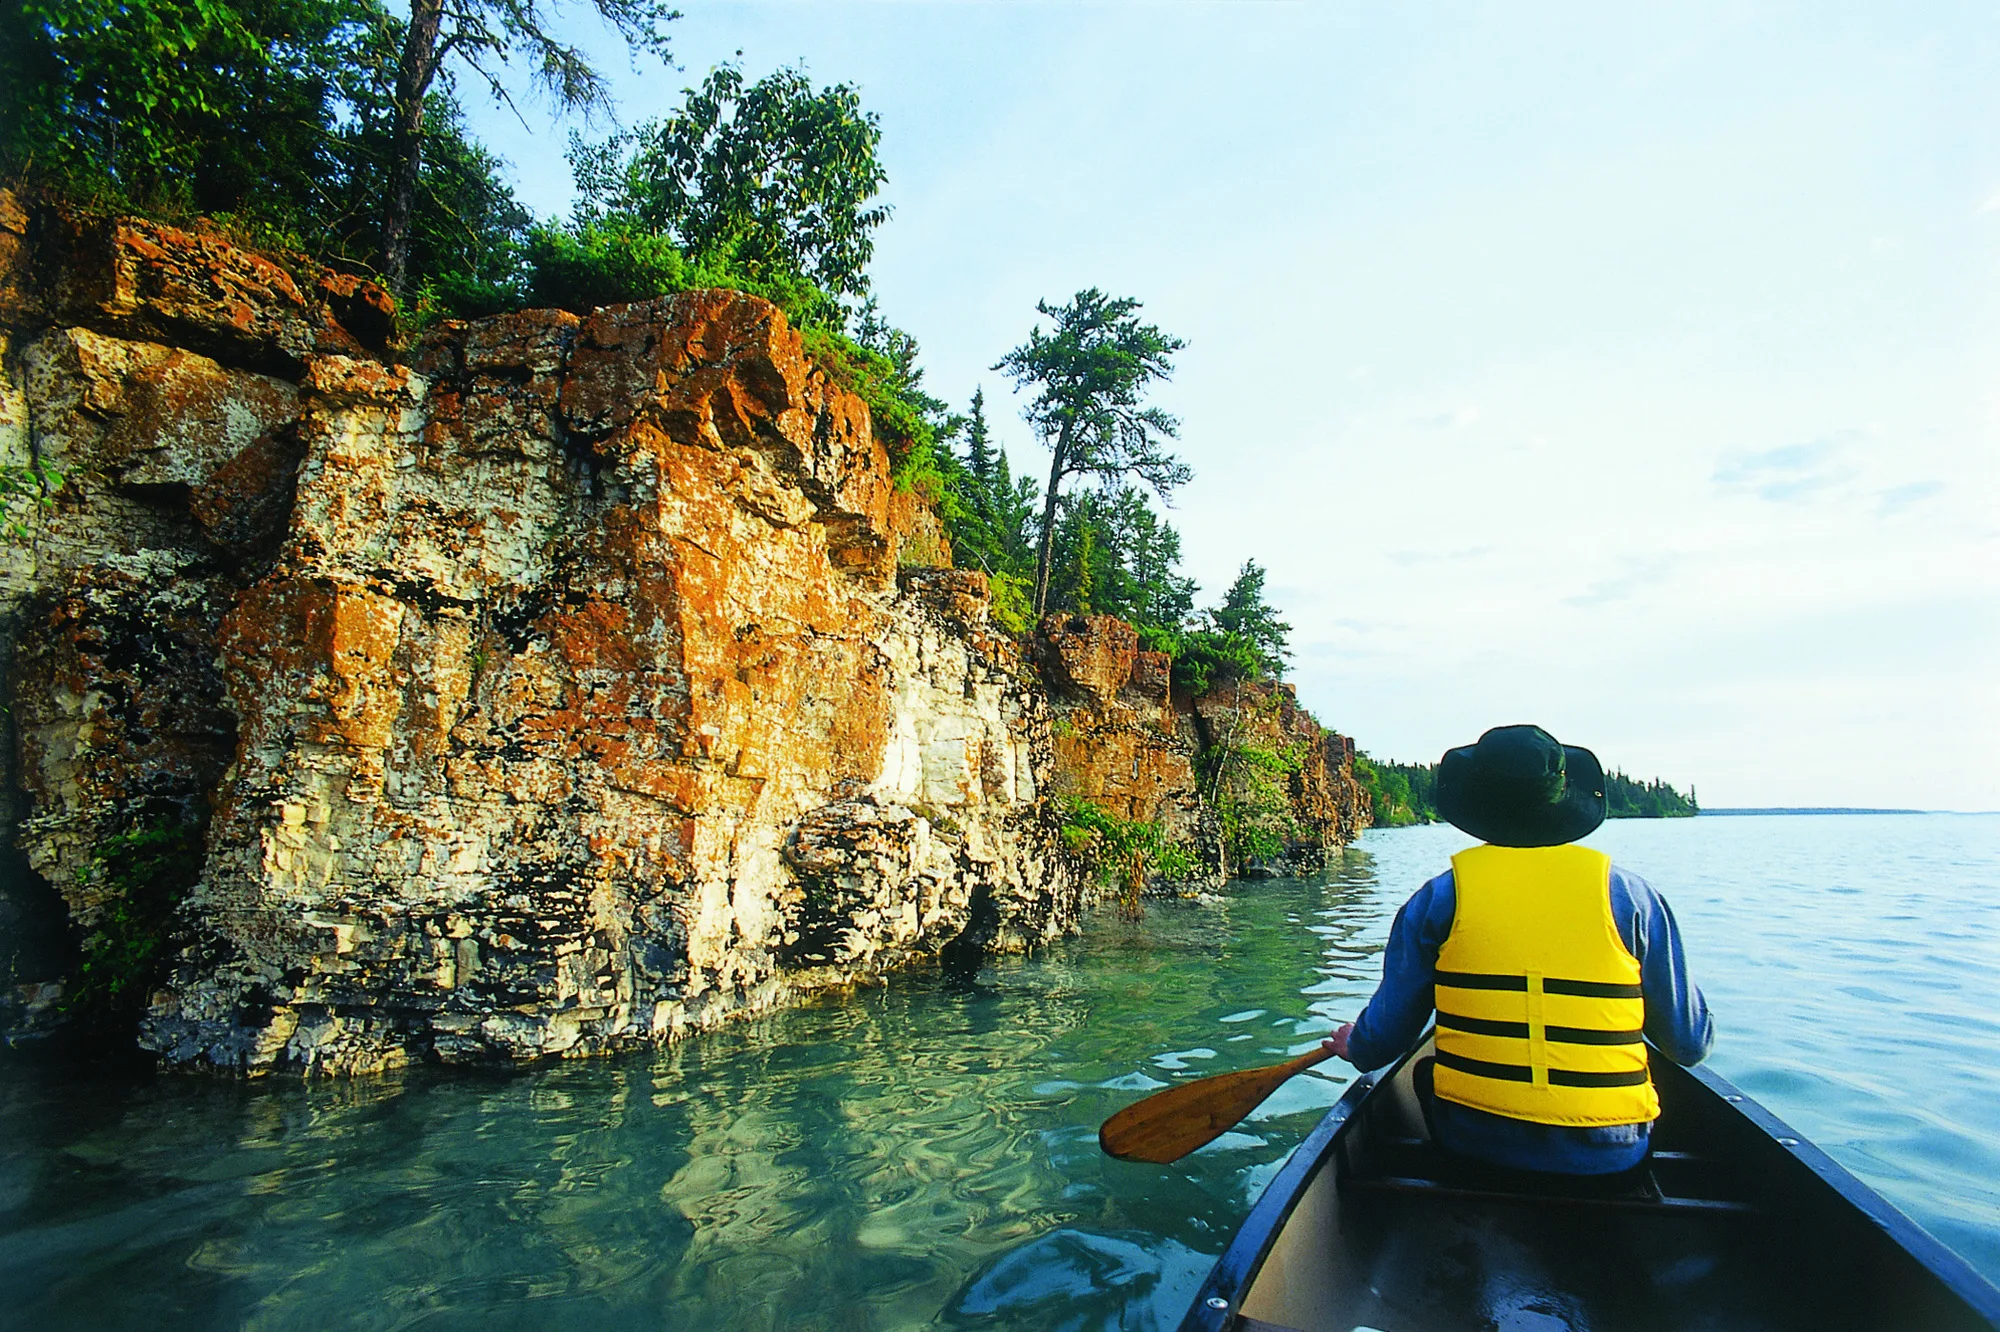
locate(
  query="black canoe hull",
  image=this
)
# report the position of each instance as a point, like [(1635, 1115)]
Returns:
[(1737, 1223)]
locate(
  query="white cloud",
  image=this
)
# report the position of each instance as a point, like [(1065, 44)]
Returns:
[(1898, 498), (1791, 472), (1634, 578), (1458, 418)]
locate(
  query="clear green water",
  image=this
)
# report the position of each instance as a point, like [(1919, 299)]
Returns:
[(925, 1155)]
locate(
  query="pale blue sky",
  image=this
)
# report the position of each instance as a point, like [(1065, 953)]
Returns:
[(1629, 372)]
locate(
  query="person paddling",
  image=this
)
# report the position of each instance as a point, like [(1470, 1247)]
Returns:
[(1549, 968)]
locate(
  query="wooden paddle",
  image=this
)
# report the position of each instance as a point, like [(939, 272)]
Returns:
[(1169, 1124)]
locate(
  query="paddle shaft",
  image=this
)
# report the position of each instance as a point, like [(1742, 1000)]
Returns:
[(1171, 1123)]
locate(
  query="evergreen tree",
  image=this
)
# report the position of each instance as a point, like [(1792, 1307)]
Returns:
[(1089, 378), (979, 460), (1111, 542), (1628, 798), (995, 530), (1242, 638), (1245, 615), (1163, 599), (1399, 793), (1015, 505)]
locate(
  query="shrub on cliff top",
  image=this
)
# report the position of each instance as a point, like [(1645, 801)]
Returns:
[(1010, 594), (581, 266)]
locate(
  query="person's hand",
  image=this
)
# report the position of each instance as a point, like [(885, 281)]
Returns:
[(1338, 1041)]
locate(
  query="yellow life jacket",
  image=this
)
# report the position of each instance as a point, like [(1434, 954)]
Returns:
[(1539, 1010)]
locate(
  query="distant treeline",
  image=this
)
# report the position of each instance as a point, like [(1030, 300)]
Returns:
[(1405, 793)]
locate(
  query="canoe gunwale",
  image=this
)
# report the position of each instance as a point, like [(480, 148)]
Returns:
[(1219, 1301), (1233, 1273), (1930, 1253)]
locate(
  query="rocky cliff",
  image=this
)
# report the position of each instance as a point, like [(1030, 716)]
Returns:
[(1282, 784), (1241, 776), (550, 688), (1120, 742), (551, 685)]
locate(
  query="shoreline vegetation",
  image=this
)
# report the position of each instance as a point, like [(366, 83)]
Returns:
[(1404, 794)]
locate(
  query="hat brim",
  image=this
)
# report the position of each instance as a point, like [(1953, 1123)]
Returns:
[(1465, 806)]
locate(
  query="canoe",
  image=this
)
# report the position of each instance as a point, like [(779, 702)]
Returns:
[(1734, 1222)]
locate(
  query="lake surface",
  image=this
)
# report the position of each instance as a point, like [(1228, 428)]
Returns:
[(925, 1154)]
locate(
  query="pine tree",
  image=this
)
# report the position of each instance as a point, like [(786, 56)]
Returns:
[(979, 459), (1089, 378), (1245, 615)]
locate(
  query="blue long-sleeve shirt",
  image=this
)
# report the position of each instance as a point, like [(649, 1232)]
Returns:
[(1677, 1024)]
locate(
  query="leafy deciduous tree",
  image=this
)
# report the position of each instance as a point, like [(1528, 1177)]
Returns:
[(278, 114), (777, 175), (208, 104)]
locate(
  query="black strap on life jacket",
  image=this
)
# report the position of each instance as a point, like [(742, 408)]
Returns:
[(1483, 980), (1480, 980), (1519, 1030), (1558, 1077)]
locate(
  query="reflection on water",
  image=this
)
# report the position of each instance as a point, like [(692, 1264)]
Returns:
[(926, 1155)]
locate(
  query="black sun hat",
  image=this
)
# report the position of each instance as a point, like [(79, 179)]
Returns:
[(1518, 786)]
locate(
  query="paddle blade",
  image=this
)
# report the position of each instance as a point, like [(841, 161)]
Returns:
[(1169, 1124)]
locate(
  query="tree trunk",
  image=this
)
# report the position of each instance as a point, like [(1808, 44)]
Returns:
[(406, 146), (1047, 545)]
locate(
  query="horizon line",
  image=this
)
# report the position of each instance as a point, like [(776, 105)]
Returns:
[(1831, 809)]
